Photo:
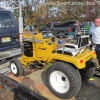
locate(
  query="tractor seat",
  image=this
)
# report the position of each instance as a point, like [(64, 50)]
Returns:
[(72, 49), (69, 49)]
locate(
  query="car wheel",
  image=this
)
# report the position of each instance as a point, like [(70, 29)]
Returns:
[(61, 34)]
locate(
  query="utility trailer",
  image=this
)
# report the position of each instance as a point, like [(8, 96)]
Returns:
[(31, 83)]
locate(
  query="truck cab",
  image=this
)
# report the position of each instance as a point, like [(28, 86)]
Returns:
[(8, 31)]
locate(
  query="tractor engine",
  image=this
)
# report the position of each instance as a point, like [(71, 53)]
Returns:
[(28, 49)]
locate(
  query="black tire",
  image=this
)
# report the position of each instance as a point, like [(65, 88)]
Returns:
[(69, 74), (88, 72), (16, 67), (61, 34)]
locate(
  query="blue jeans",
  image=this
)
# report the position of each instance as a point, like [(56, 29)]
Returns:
[(97, 49)]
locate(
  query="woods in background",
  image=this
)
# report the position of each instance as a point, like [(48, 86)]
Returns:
[(41, 12)]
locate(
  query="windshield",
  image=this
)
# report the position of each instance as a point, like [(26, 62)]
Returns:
[(56, 23), (88, 23)]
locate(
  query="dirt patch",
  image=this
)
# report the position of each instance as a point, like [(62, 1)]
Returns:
[(7, 95)]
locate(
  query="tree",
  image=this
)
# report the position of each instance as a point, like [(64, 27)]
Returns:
[(27, 8), (92, 11), (52, 10), (73, 10)]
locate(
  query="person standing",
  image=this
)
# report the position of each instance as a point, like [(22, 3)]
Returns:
[(77, 29), (95, 36)]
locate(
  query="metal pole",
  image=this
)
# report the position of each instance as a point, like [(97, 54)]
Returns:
[(84, 31), (21, 27), (20, 23)]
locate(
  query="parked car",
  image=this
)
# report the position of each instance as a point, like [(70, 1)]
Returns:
[(8, 31), (60, 29), (50, 27)]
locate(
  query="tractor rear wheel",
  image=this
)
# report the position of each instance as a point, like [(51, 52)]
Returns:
[(88, 72), (16, 67), (63, 80)]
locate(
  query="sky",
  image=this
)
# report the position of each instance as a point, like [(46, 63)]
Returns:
[(3, 5)]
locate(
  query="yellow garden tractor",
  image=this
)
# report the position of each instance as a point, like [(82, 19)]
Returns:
[(65, 67)]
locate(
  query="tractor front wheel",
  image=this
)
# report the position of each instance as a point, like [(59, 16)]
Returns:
[(16, 67), (63, 80)]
